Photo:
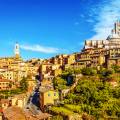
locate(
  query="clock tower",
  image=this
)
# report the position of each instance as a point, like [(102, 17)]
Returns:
[(17, 50)]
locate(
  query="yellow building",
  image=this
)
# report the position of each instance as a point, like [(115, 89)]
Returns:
[(19, 100), (47, 80), (48, 96), (102, 52), (113, 61), (1, 118), (5, 84), (57, 72), (44, 68), (71, 59), (31, 84), (5, 103), (7, 74)]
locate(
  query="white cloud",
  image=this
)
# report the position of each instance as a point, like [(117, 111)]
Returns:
[(39, 48), (107, 14)]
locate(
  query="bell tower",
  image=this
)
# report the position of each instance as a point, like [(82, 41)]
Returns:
[(17, 50)]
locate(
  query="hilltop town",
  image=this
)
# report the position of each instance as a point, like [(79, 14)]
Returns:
[(42, 89)]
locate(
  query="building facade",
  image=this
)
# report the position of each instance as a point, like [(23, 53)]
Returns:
[(101, 52)]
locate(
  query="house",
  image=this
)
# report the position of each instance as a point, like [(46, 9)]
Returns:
[(48, 96), (19, 100), (5, 84), (4, 103)]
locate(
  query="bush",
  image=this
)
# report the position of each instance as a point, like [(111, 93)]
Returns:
[(59, 83), (88, 71), (116, 68), (96, 98), (57, 117), (24, 84), (105, 74)]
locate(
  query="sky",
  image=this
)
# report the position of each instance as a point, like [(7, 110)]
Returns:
[(45, 28)]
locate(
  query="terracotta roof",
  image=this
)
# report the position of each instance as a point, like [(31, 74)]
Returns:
[(43, 89), (41, 116), (4, 101), (1, 110), (4, 80), (20, 96), (14, 113)]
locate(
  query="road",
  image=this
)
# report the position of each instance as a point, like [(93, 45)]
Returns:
[(33, 102)]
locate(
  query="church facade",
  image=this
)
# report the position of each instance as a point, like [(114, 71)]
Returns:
[(112, 41)]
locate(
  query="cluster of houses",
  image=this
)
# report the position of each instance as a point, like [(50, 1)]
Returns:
[(95, 53), (14, 69)]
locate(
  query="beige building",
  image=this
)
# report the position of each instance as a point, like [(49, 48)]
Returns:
[(98, 53), (5, 84), (48, 96), (5, 103), (112, 41), (7, 73), (14, 68), (19, 100)]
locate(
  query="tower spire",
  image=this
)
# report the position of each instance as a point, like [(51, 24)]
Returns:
[(17, 50)]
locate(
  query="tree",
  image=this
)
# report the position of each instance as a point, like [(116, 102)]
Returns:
[(88, 71), (59, 82), (24, 84), (105, 74), (96, 98), (116, 68), (57, 117)]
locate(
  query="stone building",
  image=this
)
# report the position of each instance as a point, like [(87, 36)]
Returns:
[(112, 41), (15, 68), (48, 96), (101, 52), (5, 84)]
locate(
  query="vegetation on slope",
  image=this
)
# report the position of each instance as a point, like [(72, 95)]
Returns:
[(95, 95)]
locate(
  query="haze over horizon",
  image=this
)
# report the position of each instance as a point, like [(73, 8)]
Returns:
[(44, 28)]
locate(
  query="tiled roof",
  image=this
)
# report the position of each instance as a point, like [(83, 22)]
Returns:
[(14, 113), (4, 80), (4, 101), (1, 110), (43, 89), (41, 116)]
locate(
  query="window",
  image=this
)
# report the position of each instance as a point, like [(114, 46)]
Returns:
[(54, 94), (48, 94)]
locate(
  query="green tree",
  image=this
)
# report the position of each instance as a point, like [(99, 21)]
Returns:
[(59, 83), (24, 84), (106, 74), (96, 98), (88, 71), (116, 68), (57, 117)]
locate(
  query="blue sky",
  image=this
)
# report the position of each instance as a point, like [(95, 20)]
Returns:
[(44, 28)]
